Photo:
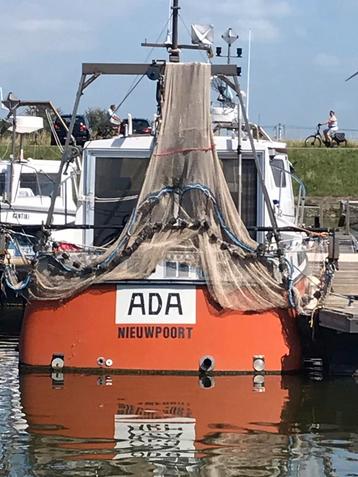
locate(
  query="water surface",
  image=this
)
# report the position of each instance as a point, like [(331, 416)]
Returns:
[(119, 425)]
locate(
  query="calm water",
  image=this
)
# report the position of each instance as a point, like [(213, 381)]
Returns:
[(90, 425)]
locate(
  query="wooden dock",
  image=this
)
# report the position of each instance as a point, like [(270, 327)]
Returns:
[(340, 307)]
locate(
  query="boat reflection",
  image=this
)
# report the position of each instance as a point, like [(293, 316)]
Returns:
[(178, 425)]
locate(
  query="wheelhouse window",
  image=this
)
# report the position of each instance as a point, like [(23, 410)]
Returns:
[(248, 183), (39, 183), (118, 184), (278, 172), (2, 183)]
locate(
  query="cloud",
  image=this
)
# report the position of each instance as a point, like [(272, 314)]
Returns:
[(36, 27), (326, 60), (49, 25), (263, 17)]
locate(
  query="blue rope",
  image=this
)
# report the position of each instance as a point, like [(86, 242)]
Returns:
[(24, 284), (210, 195)]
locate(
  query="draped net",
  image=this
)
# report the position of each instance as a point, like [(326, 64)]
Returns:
[(184, 210)]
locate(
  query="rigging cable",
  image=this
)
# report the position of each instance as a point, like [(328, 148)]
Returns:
[(138, 79)]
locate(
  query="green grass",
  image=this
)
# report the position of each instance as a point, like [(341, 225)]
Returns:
[(33, 151), (327, 172)]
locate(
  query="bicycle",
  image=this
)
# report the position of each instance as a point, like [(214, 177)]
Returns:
[(316, 140)]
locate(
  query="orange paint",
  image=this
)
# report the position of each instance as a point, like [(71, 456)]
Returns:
[(84, 329), (86, 406)]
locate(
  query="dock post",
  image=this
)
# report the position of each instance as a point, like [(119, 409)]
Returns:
[(348, 218)]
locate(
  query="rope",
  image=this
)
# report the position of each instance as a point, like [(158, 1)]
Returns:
[(188, 149), (135, 82), (20, 286)]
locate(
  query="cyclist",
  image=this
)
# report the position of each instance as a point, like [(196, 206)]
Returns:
[(332, 126)]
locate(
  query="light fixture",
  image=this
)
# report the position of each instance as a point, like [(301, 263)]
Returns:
[(258, 363)]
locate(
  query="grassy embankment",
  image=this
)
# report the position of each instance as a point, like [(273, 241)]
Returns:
[(33, 151), (327, 173)]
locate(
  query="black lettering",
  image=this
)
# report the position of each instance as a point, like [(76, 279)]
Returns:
[(176, 304), (149, 331), (137, 305), (159, 303), (179, 332)]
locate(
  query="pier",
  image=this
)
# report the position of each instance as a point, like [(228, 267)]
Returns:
[(340, 307)]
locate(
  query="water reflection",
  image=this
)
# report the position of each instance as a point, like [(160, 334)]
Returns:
[(177, 425), (14, 438), (91, 425)]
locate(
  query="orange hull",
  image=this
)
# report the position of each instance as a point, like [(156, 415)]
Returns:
[(117, 413), (97, 324)]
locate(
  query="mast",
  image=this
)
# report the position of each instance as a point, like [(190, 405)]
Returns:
[(12, 103), (172, 45), (174, 51)]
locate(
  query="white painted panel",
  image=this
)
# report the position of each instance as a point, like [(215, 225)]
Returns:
[(155, 305)]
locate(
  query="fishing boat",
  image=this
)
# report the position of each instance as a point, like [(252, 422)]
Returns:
[(26, 187), (199, 261)]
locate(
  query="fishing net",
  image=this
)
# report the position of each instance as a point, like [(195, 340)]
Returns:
[(184, 213)]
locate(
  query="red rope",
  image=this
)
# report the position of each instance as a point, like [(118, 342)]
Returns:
[(189, 149)]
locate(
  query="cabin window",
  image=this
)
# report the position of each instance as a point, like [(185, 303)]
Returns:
[(249, 186), (2, 183), (278, 172), (175, 270), (231, 173), (118, 184), (40, 184)]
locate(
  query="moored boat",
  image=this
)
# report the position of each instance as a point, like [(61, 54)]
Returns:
[(186, 287)]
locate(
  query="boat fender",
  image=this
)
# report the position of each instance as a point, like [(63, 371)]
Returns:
[(101, 361), (206, 364)]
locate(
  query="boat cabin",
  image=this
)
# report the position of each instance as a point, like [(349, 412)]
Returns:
[(114, 170)]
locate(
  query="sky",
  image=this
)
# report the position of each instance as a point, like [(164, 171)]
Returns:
[(301, 52)]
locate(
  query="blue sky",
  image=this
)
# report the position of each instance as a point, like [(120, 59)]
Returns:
[(301, 52)]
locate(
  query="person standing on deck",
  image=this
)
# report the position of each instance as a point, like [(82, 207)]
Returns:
[(113, 117), (332, 126)]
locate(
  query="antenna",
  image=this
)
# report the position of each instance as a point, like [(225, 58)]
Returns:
[(168, 39), (248, 75), (172, 45), (229, 37)]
